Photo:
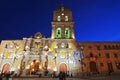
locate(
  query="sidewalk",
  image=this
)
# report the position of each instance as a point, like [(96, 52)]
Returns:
[(92, 77), (113, 76)]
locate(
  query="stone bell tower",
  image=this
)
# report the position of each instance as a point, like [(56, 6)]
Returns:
[(62, 24)]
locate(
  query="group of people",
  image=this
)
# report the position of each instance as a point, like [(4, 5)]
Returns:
[(62, 76), (6, 75)]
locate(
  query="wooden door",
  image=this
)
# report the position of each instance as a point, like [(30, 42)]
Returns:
[(63, 68), (93, 67)]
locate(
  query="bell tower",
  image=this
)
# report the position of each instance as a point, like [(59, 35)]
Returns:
[(62, 24)]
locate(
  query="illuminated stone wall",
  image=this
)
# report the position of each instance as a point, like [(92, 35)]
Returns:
[(61, 53)]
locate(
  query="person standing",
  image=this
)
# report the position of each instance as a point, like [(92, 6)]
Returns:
[(64, 76), (60, 76)]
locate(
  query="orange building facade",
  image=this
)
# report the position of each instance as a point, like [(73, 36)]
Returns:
[(101, 57)]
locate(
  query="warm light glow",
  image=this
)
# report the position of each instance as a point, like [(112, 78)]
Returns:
[(28, 67), (52, 37), (63, 45), (27, 47), (56, 46), (18, 67), (55, 55), (49, 67), (17, 47), (40, 67), (69, 46), (11, 46), (53, 46), (37, 61), (50, 50), (38, 37), (46, 47), (73, 36), (12, 69), (55, 69), (1, 55), (31, 63), (92, 59), (62, 14), (69, 54)]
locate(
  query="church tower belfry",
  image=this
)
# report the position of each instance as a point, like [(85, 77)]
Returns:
[(62, 24)]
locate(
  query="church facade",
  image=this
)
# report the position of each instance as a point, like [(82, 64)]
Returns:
[(38, 55)]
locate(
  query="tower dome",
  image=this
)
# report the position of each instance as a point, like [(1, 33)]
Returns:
[(62, 13)]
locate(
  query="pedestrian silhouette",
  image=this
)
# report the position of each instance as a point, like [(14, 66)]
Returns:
[(62, 76)]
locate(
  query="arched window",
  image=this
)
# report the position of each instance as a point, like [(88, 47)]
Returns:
[(67, 33), (58, 33), (66, 18), (58, 18)]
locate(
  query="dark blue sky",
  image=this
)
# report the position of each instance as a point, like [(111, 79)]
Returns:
[(95, 20)]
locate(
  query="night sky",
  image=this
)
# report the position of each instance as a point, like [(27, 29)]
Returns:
[(95, 20)]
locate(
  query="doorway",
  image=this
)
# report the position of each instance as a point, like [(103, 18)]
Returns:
[(93, 67), (110, 67), (34, 67), (6, 68), (63, 68)]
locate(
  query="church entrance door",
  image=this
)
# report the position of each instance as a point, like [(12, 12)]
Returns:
[(63, 67), (34, 67)]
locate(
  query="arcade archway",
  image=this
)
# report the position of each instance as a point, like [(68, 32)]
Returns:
[(6, 68), (34, 67), (63, 67)]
